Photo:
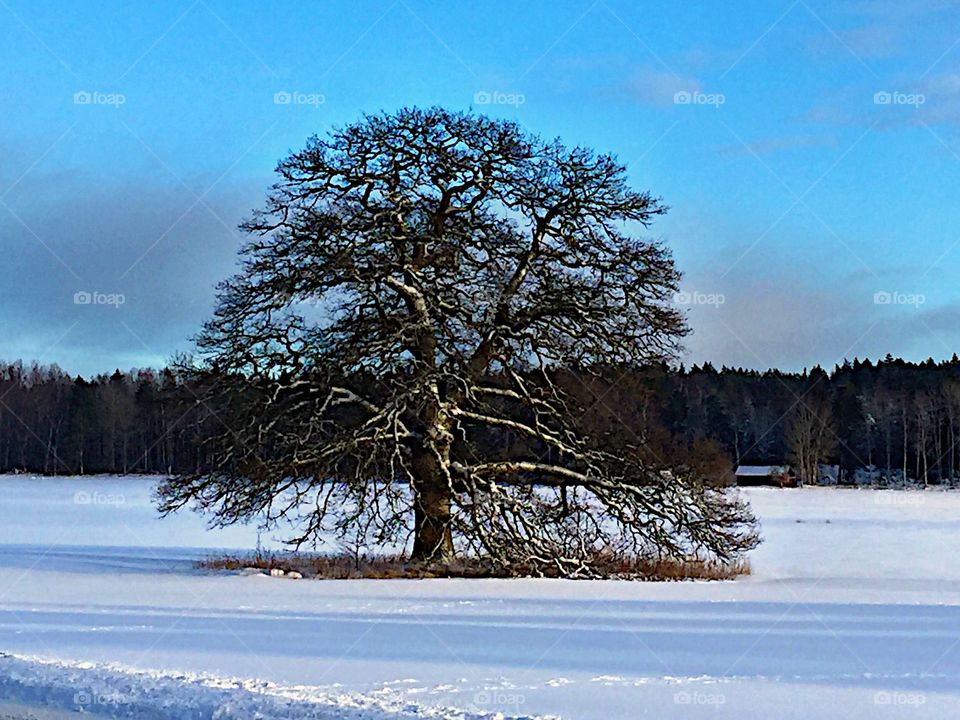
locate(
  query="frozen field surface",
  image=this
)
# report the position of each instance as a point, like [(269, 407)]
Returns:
[(853, 611)]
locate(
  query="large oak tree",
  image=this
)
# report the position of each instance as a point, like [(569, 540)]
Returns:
[(404, 351)]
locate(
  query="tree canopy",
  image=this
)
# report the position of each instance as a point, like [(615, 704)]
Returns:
[(405, 347)]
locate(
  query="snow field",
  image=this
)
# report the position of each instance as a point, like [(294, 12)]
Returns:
[(854, 606)]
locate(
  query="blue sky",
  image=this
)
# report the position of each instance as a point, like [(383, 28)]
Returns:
[(812, 173)]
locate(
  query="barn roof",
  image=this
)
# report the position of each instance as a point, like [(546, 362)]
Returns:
[(760, 470)]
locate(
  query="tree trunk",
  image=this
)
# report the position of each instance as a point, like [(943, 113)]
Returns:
[(433, 537), (952, 446), (904, 448), (889, 445)]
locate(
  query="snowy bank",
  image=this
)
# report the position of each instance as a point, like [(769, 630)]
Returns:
[(117, 692)]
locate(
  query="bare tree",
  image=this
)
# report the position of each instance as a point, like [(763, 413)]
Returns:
[(411, 297), (811, 435), (926, 409), (951, 401), (881, 414)]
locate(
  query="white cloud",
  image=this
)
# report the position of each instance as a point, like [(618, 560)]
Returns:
[(658, 87)]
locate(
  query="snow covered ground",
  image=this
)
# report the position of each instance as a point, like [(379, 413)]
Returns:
[(853, 611)]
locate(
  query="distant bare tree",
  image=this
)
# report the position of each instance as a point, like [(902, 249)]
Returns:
[(882, 415), (811, 435), (951, 402), (410, 292), (926, 414)]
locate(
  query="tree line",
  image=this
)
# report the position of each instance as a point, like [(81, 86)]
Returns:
[(890, 421), (133, 422), (887, 422)]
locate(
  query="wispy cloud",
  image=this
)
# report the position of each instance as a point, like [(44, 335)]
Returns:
[(658, 88), (771, 145)]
